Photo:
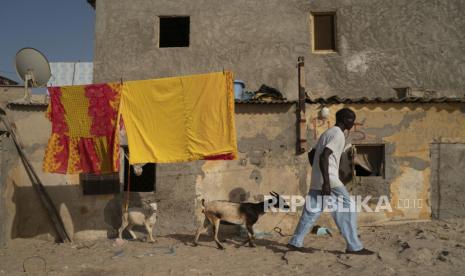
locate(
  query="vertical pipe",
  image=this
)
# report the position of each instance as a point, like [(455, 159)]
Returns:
[(301, 120)]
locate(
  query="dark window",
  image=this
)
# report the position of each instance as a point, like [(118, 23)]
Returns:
[(369, 160), (174, 31), (143, 183), (93, 184), (324, 32)]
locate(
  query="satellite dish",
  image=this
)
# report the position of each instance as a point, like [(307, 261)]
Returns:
[(33, 68)]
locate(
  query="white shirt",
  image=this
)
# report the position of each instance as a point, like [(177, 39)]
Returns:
[(334, 139)]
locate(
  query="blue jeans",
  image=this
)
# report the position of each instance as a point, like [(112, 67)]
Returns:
[(346, 221)]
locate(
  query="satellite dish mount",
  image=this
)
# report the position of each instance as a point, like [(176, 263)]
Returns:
[(29, 80), (33, 68)]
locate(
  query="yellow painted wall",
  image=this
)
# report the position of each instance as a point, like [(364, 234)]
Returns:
[(410, 129)]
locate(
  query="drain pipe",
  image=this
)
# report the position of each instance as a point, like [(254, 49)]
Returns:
[(301, 120)]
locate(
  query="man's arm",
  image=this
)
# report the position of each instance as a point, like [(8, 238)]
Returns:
[(324, 168)]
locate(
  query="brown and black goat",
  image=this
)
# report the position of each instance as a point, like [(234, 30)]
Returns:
[(245, 213)]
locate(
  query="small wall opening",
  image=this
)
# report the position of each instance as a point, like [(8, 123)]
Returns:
[(142, 183), (369, 160), (174, 31), (99, 184)]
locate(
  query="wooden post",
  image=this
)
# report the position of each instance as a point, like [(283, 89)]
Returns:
[(301, 120)]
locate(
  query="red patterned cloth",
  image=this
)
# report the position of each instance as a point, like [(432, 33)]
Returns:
[(84, 137)]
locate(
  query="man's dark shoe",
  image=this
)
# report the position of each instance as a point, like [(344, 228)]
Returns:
[(362, 251), (294, 248), (300, 249)]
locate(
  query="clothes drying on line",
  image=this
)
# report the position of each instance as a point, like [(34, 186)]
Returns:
[(83, 138), (180, 119)]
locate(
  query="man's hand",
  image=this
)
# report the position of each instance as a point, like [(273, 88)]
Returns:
[(326, 189)]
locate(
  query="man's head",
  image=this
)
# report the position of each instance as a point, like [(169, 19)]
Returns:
[(345, 118)]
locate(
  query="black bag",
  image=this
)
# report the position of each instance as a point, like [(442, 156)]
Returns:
[(265, 92), (311, 155)]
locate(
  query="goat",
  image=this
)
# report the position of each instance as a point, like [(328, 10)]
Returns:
[(143, 216), (137, 168), (236, 213)]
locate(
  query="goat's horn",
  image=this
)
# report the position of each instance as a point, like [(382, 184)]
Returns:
[(273, 193)]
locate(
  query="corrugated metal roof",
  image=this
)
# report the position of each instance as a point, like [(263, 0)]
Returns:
[(264, 102), (365, 100)]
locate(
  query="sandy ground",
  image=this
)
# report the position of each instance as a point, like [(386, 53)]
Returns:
[(430, 248)]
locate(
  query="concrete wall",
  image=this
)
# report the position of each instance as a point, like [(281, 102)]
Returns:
[(380, 44), (447, 175), (83, 216), (6, 161), (10, 92), (267, 162), (408, 131)]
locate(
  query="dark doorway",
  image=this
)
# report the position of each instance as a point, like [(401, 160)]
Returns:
[(143, 183)]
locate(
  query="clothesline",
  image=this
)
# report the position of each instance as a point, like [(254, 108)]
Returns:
[(167, 120)]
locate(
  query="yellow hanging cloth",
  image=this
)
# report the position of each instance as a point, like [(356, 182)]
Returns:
[(180, 118)]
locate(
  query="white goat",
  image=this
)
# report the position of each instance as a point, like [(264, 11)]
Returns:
[(143, 216)]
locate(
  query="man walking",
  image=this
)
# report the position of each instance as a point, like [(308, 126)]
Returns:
[(325, 183)]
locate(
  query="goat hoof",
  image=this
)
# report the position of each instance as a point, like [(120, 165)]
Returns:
[(195, 244), (252, 245)]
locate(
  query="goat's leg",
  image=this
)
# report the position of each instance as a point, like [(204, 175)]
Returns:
[(149, 232), (216, 224), (133, 235), (200, 230), (251, 234), (124, 224)]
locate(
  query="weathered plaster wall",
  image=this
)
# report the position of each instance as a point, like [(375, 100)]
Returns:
[(447, 175), (176, 192), (83, 216), (408, 130), (380, 44), (267, 162), (6, 162), (10, 92)]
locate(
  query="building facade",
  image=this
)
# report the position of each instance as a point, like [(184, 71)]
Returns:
[(353, 49)]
